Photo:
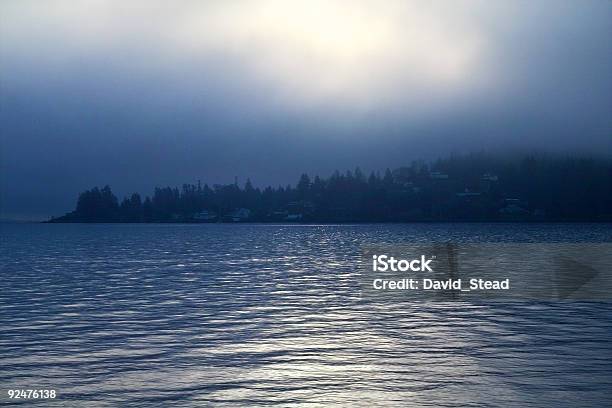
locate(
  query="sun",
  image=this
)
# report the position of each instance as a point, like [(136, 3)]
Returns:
[(327, 29)]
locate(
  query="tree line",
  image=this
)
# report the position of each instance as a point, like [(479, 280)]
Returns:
[(475, 187)]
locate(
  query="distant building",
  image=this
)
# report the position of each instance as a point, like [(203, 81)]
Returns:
[(297, 210), (488, 182), (513, 207), (294, 217), (278, 215), (515, 201), (489, 177), (468, 194), (436, 175), (238, 215), (205, 216), (300, 206)]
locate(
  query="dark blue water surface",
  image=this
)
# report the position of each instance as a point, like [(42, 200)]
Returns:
[(247, 315)]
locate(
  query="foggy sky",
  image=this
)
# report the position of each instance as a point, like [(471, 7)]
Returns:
[(143, 93)]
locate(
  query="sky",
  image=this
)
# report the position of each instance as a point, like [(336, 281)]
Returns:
[(151, 93)]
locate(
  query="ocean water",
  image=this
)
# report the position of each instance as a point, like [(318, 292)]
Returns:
[(254, 315)]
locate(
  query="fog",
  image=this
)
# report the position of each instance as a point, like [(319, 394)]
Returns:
[(144, 93)]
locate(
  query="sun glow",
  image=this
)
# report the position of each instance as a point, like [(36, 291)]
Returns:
[(303, 52), (338, 49), (324, 29)]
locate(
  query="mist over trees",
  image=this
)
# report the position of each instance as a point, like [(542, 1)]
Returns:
[(475, 187)]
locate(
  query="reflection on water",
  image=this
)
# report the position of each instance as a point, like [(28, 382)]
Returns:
[(243, 315)]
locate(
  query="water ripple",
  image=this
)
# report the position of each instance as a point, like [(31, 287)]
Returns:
[(248, 315)]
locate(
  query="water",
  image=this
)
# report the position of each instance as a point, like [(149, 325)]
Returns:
[(247, 315)]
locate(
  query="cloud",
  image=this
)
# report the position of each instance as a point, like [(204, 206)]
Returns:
[(315, 53)]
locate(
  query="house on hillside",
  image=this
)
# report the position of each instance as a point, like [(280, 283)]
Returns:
[(238, 215), (206, 216)]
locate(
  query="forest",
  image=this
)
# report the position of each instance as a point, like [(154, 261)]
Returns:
[(474, 187)]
